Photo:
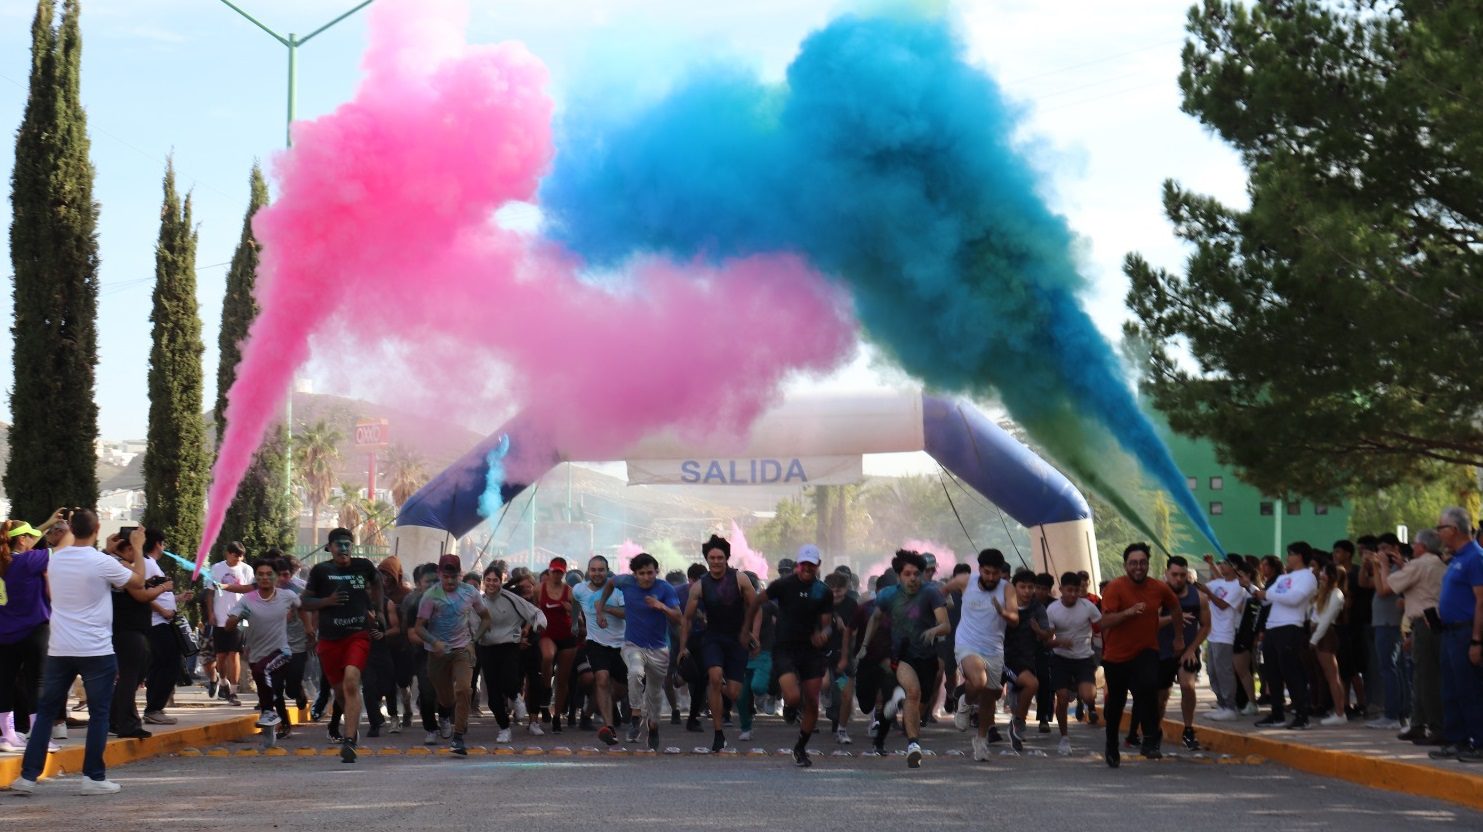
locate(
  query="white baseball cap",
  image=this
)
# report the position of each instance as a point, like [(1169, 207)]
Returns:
[(808, 553)]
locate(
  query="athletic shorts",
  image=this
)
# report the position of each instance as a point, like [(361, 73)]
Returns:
[(925, 668), (1069, 674), (226, 641), (726, 653), (1169, 671), (603, 657), (337, 654), (944, 647), (804, 662), (1013, 667), (994, 664), (568, 643), (581, 663)]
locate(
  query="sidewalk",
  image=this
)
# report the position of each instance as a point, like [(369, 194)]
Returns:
[(202, 722), (1352, 752)]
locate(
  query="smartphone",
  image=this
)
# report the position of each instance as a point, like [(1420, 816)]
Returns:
[(125, 531)]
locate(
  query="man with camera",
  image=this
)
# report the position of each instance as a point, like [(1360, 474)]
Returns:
[(81, 644), (347, 593)]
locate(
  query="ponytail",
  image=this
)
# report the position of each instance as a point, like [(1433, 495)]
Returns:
[(5, 553)]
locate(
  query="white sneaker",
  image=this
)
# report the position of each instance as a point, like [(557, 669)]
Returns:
[(961, 715), (1383, 724), (895, 703), (8, 747), (160, 718), (744, 736), (536, 730), (268, 719), (431, 738), (913, 755), (843, 737), (21, 785), (445, 727), (1334, 719), (1064, 749), (91, 786), (395, 726), (1250, 709), (520, 713), (980, 749), (52, 748), (1223, 715), (59, 731), (504, 735)]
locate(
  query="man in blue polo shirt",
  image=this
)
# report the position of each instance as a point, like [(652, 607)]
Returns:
[(1461, 612)]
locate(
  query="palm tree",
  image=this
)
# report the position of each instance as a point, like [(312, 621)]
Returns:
[(347, 506), (316, 458), (407, 474), (367, 519)]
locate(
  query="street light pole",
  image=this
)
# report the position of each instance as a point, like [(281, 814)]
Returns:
[(293, 42)]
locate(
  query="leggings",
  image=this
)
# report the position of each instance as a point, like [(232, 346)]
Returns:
[(20, 675), (164, 667), (500, 665)]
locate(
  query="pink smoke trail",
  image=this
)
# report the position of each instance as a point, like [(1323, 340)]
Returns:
[(627, 551), (946, 558), (744, 558), (383, 224)]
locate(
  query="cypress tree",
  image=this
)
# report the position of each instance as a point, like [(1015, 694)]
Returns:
[(175, 458), (261, 514), (54, 253)]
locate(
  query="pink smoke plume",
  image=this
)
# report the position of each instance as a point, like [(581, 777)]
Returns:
[(627, 551), (744, 558), (383, 230)]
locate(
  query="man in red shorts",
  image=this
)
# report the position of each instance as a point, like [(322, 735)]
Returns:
[(346, 592)]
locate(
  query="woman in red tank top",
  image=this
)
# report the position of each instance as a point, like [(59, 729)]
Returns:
[(559, 639)]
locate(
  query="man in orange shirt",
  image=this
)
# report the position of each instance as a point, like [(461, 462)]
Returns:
[(1130, 650)]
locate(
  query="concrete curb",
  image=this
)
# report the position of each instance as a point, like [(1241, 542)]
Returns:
[(123, 751), (1462, 787)]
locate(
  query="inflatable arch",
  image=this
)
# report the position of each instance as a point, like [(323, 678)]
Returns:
[(953, 432)]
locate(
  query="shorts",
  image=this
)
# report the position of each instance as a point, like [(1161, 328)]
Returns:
[(994, 664), (1014, 666), (603, 657), (925, 668), (1070, 674), (582, 663), (807, 663), (726, 653), (945, 652), (568, 643), (337, 654), (1169, 671), (226, 641)]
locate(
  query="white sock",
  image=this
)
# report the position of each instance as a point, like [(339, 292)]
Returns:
[(7, 728)]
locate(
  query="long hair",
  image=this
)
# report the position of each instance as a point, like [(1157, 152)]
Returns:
[(5, 553), (1335, 575)]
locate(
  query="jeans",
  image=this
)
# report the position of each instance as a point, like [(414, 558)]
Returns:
[(164, 667), (1387, 641), (1426, 692), (500, 665), (97, 674), (647, 669), (20, 675), (759, 676), (1140, 677), (131, 649), (452, 675), (1462, 690), (1223, 674), (1283, 649)]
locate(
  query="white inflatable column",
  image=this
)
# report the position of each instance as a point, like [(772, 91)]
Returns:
[(1069, 546), (415, 545)]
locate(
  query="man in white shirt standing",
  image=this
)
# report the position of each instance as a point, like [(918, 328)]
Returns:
[(227, 644), (1227, 600), (81, 578)]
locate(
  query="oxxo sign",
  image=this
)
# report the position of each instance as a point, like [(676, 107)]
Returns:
[(817, 470), (372, 433)]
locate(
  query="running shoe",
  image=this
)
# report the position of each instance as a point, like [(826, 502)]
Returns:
[(1113, 758), (394, 726), (503, 735), (718, 742), (894, 704), (1250, 709), (1299, 723), (1188, 738), (268, 719), (1016, 735), (457, 746), (211, 689), (744, 736), (1272, 721), (1133, 742), (556, 724), (316, 713), (1064, 749), (1384, 724), (347, 750), (375, 730), (654, 738), (961, 714), (843, 737), (994, 734), (1334, 719), (431, 738), (1045, 726), (332, 731), (520, 712), (693, 725), (159, 718), (284, 731), (980, 750), (91, 787), (445, 727), (913, 755), (535, 729), (800, 757), (633, 732), (674, 716), (233, 700), (1150, 751), (1081, 714), (606, 734), (1092, 715)]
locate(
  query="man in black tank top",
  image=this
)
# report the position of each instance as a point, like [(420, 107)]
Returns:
[(1183, 666), (729, 603)]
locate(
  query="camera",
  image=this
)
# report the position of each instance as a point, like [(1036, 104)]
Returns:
[(151, 583)]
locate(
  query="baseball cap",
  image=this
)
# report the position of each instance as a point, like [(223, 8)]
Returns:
[(450, 563), (557, 564), (931, 560), (786, 565), (808, 553), (23, 529)]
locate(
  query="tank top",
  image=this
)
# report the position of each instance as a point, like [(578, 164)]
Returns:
[(981, 629), (1189, 604), (722, 604), (558, 613)]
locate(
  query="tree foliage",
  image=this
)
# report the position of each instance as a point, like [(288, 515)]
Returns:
[(1323, 336), (54, 252), (175, 462), (316, 463), (1415, 505)]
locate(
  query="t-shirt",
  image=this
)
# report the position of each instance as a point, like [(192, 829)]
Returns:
[(357, 578), (131, 614), (1223, 622), (1020, 642), (1134, 635), (1463, 573), (981, 628), (23, 604), (767, 633), (911, 615), (799, 607), (1074, 623), (1360, 599), (844, 616), (611, 635), (166, 600), (81, 578), (642, 626), (269, 616), (879, 648), (298, 640), (1385, 610), (447, 615), (225, 603), (1291, 596)]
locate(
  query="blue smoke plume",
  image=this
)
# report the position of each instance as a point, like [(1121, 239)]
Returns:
[(491, 500), (889, 162)]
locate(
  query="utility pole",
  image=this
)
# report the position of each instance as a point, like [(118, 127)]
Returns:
[(293, 42)]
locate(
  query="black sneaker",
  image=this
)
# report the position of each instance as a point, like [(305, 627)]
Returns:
[(316, 713), (1190, 743), (375, 730), (1272, 721), (801, 759), (790, 715), (457, 746), (654, 738), (347, 750), (1045, 726), (994, 734), (406, 718), (1016, 735), (333, 732), (556, 724), (211, 688), (1150, 751), (1133, 742), (719, 742), (1113, 757), (693, 725), (674, 717), (1431, 738), (1299, 723), (1092, 715), (1470, 755), (1446, 752)]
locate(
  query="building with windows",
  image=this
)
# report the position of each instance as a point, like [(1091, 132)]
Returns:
[(1245, 520)]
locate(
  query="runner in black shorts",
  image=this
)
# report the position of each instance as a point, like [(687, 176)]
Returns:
[(1021, 647), (729, 602), (805, 609), (918, 615)]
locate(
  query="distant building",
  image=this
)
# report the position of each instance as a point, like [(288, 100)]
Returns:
[(1245, 520)]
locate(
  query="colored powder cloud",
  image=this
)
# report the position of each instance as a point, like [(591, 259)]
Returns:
[(385, 223), (889, 163), (746, 559)]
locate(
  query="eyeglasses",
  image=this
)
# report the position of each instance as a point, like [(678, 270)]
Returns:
[(1447, 526)]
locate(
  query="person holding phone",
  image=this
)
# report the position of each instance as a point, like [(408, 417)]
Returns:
[(346, 592), (1419, 583)]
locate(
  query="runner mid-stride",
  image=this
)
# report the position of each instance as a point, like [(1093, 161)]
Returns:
[(729, 602), (347, 592)]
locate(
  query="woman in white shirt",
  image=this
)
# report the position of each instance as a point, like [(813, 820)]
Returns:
[(1327, 605)]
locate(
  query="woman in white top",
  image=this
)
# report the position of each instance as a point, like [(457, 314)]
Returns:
[(1327, 605)]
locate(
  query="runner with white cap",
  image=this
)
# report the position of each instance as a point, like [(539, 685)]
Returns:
[(805, 610)]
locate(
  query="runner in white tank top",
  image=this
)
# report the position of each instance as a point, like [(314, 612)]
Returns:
[(979, 645)]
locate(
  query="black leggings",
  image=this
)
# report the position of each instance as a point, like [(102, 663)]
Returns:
[(20, 675), (500, 665), (1140, 677), (164, 667)]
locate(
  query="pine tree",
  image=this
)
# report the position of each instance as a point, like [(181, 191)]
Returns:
[(261, 515), (175, 458), (54, 252)]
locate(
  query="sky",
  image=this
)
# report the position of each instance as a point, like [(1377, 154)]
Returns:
[(192, 78)]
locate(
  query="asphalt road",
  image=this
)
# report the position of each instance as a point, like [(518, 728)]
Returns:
[(701, 791)]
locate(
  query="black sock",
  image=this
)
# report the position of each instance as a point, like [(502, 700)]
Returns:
[(802, 740)]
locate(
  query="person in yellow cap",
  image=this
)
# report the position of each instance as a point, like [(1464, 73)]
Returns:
[(25, 614)]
